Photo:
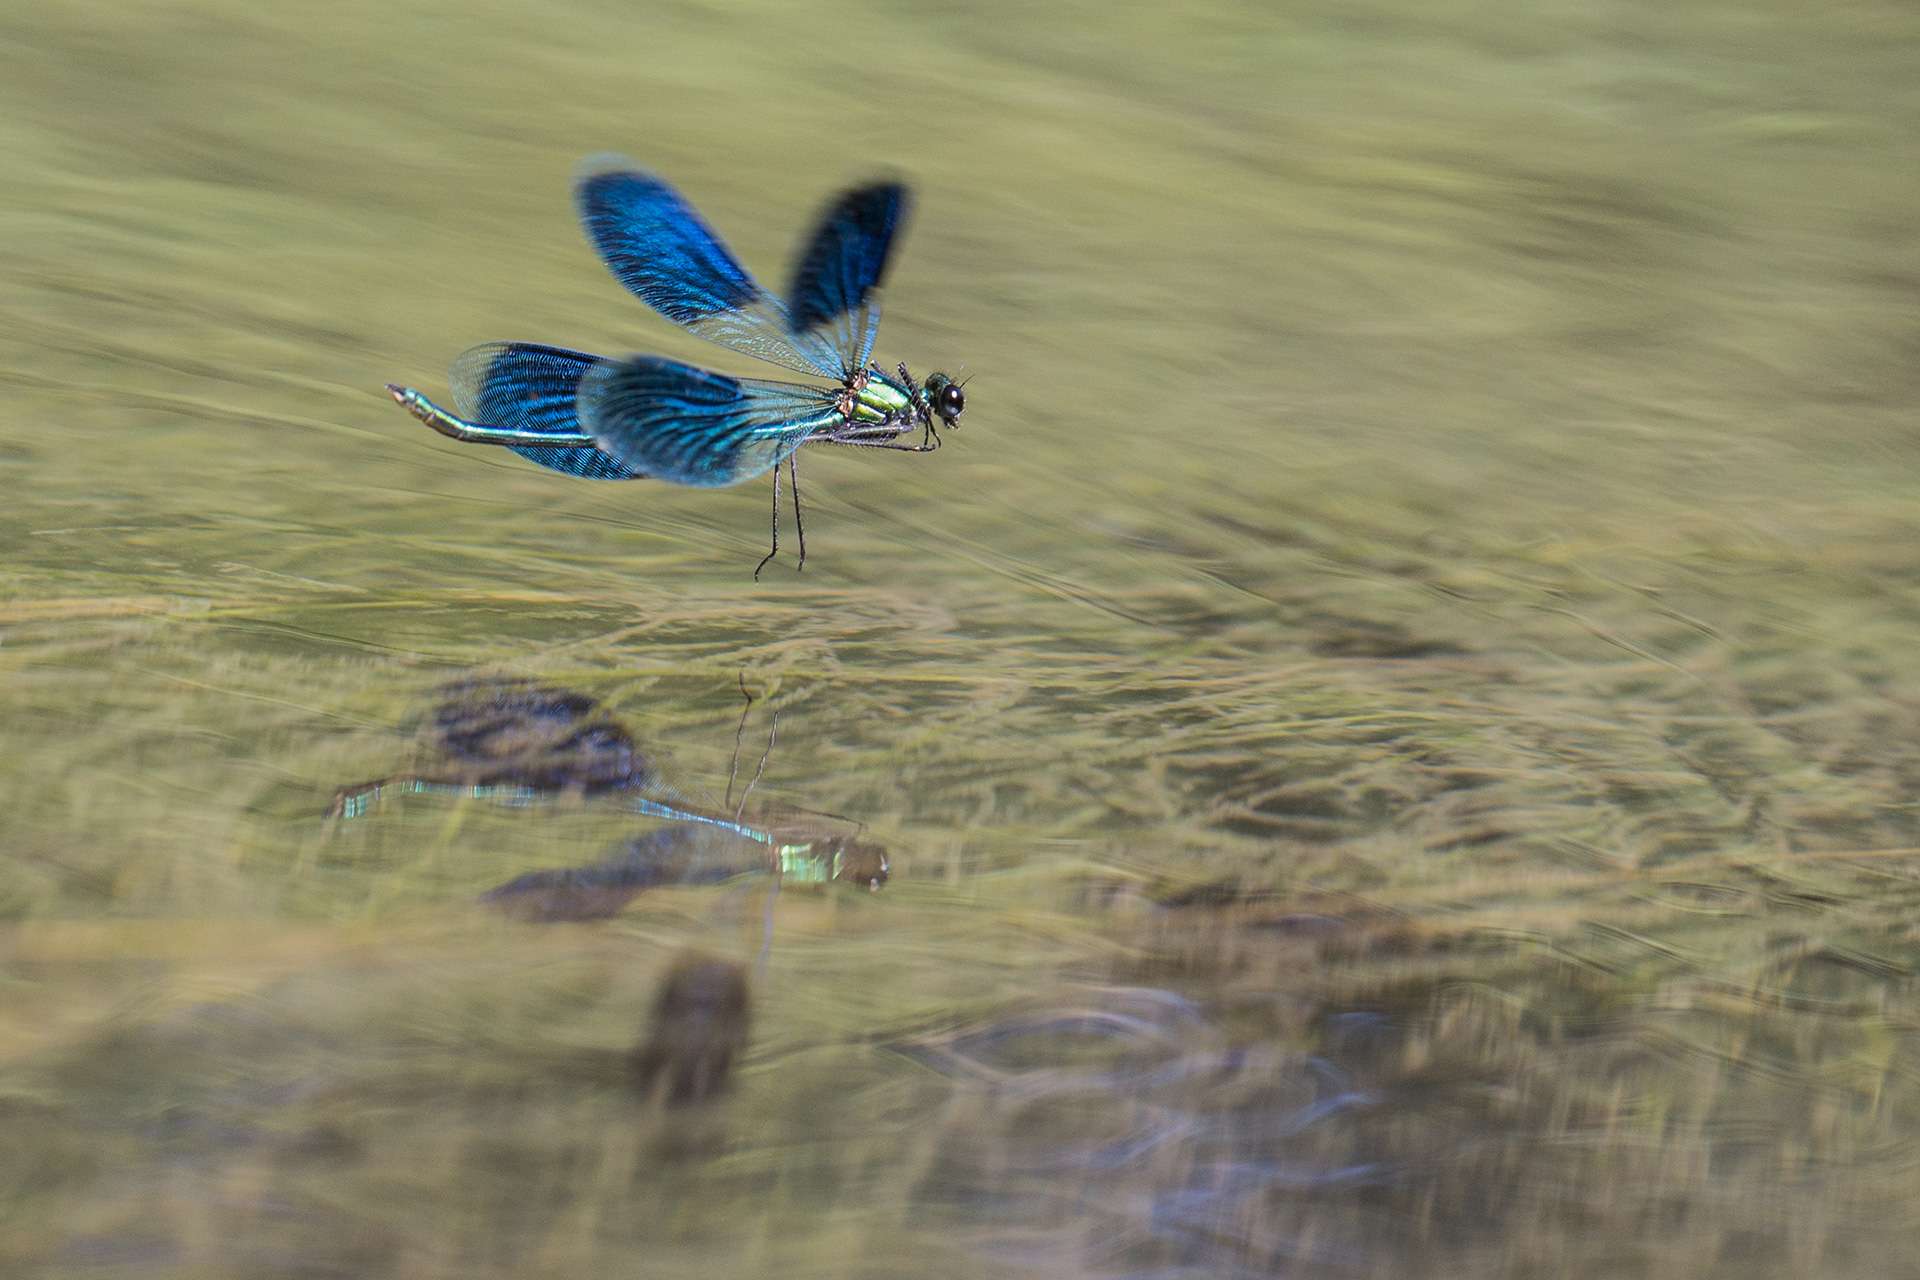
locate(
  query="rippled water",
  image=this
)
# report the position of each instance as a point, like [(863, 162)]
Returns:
[(1393, 721)]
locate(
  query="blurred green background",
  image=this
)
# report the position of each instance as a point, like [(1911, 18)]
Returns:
[(1416, 633)]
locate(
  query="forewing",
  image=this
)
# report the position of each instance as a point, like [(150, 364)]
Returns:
[(692, 426), (528, 387), (836, 282), (663, 251)]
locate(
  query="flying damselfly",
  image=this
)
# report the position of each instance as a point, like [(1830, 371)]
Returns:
[(647, 417)]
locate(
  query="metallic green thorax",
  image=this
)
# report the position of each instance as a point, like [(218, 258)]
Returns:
[(881, 399), (800, 864)]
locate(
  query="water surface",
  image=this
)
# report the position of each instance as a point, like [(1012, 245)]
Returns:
[(1394, 718)]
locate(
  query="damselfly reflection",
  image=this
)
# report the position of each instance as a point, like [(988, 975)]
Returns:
[(522, 743), (678, 856), (646, 417)]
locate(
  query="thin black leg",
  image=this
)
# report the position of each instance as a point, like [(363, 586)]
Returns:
[(773, 729), (776, 527), (733, 765), (799, 525), (883, 444)]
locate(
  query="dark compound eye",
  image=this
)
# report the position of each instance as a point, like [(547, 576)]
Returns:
[(952, 401)]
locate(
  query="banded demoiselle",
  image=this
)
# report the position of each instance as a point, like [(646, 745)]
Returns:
[(647, 417)]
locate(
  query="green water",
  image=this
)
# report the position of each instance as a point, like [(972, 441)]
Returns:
[(1395, 716)]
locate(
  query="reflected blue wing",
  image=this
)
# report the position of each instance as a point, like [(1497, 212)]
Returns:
[(528, 387), (691, 426), (661, 250), (836, 281)]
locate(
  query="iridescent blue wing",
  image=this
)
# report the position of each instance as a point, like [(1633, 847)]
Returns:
[(529, 387), (836, 282), (691, 426), (661, 250)]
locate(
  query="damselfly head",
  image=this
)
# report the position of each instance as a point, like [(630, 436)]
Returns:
[(858, 862), (945, 398)]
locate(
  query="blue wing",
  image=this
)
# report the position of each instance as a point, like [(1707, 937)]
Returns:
[(837, 279), (661, 250), (691, 426), (529, 387)]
